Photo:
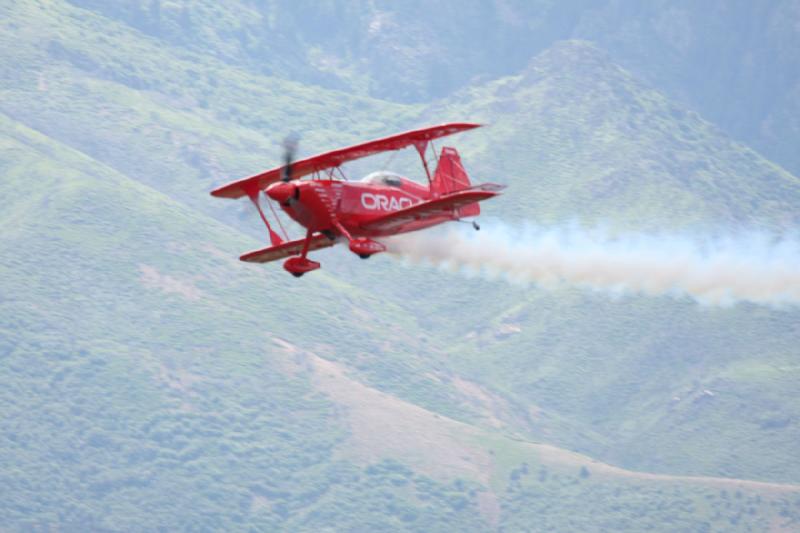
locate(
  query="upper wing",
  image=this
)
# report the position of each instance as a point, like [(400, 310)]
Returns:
[(326, 160), (286, 249), (440, 206)]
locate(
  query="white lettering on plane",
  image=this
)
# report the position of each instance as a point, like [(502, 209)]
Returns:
[(382, 202)]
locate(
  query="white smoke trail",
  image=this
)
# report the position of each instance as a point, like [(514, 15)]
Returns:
[(751, 268)]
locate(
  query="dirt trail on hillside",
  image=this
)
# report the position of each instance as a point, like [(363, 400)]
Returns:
[(555, 455)]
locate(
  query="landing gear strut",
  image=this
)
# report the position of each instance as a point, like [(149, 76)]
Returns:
[(362, 247), (297, 266), (475, 226)]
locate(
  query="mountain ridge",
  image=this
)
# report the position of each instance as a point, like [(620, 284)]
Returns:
[(573, 95)]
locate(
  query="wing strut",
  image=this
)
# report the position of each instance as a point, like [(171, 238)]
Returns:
[(253, 192), (280, 224), (421, 147)]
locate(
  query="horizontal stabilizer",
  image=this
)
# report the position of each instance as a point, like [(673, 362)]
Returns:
[(286, 249)]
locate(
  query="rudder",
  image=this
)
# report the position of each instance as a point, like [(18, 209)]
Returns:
[(450, 177)]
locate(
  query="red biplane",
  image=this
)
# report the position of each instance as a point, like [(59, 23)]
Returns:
[(383, 203)]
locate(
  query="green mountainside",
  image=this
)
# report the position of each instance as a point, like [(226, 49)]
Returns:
[(152, 381), (177, 121), (734, 63)]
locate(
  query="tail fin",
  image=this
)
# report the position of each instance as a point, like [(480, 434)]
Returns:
[(450, 177)]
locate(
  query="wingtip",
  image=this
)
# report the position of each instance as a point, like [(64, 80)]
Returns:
[(226, 191), (218, 192), (247, 257)]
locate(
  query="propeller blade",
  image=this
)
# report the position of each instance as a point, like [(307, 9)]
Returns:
[(289, 150)]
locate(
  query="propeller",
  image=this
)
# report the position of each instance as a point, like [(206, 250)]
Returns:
[(290, 144), (282, 192)]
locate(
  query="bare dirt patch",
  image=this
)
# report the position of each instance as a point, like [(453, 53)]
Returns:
[(487, 404), (152, 278), (385, 426)]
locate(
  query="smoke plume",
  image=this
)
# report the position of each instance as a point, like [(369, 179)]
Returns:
[(752, 268)]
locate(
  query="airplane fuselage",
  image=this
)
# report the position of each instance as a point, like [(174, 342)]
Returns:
[(317, 204)]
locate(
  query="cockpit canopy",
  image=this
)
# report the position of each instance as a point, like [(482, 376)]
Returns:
[(383, 177)]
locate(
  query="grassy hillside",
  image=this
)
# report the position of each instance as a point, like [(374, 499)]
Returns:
[(735, 64), (175, 120)]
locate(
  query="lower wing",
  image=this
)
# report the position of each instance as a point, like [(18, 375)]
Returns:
[(273, 253)]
